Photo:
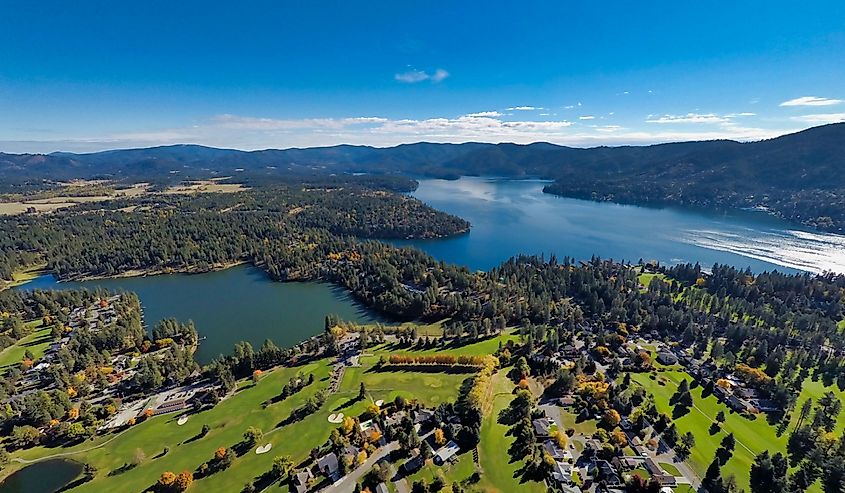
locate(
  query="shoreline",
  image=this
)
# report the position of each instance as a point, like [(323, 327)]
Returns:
[(664, 204)]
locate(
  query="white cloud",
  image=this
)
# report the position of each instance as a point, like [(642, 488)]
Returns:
[(587, 117), (525, 108), (413, 76), (821, 118), (811, 101), (492, 114), (253, 123), (439, 75), (688, 118)]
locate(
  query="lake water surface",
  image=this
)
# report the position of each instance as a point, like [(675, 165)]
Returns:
[(42, 477), (240, 303), (510, 217)]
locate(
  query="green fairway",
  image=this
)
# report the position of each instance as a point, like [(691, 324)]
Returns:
[(500, 475), (233, 416), (752, 436), (37, 343), (429, 388), (814, 390), (228, 421)]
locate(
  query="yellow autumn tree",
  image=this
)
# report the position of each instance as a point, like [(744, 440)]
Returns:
[(184, 480), (439, 437), (167, 479)]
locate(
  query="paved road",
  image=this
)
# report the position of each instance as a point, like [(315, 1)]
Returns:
[(671, 457), (347, 483)]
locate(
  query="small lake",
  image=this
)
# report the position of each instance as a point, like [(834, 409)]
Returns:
[(42, 477), (240, 303), (514, 216)]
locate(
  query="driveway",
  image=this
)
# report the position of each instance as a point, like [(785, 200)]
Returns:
[(347, 483)]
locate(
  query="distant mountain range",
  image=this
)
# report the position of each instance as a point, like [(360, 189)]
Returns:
[(799, 176)]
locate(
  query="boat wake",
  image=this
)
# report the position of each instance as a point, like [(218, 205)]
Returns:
[(803, 250)]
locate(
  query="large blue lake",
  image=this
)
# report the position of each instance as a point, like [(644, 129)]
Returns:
[(508, 218), (511, 217)]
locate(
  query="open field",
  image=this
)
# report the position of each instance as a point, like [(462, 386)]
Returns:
[(752, 436), (233, 416), (70, 195), (452, 473), (646, 277), (486, 346), (228, 421), (205, 186), (429, 388), (37, 343), (22, 277), (500, 474)]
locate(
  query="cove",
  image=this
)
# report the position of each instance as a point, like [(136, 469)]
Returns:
[(239, 303), (42, 477), (510, 217)]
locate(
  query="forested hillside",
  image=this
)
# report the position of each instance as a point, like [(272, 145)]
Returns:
[(798, 176)]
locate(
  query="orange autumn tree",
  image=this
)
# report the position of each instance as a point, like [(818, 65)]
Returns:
[(184, 480), (167, 479)]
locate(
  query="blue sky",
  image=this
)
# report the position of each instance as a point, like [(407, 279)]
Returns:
[(88, 75)]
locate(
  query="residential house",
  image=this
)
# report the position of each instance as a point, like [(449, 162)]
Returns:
[(302, 480), (328, 465), (562, 472), (556, 452), (542, 427), (446, 452)]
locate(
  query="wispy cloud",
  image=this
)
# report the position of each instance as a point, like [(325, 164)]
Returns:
[(413, 76), (491, 114), (821, 118), (257, 132), (525, 108), (587, 117), (688, 118), (811, 101), (252, 123)]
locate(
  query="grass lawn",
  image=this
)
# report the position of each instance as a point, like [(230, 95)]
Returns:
[(814, 390), (429, 388), (22, 277), (228, 421), (487, 346), (752, 436), (646, 278), (670, 468), (500, 474), (434, 329), (453, 473), (587, 427), (232, 417), (37, 343)]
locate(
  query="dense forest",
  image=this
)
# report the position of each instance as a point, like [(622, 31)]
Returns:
[(313, 233)]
